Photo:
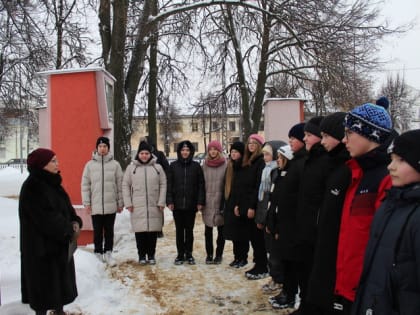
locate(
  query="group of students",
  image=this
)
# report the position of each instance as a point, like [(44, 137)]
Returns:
[(333, 215), (341, 225)]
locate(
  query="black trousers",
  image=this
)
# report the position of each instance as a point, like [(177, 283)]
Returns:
[(290, 283), (103, 228), (258, 246), (220, 241), (275, 261), (240, 250), (184, 225), (304, 269), (146, 244)]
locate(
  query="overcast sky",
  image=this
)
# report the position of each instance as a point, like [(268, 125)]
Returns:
[(403, 52)]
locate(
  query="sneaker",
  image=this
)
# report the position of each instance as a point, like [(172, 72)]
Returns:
[(191, 260), (234, 263), (255, 274), (217, 260), (142, 260), (271, 287), (152, 260), (110, 261), (100, 257), (209, 260), (280, 301), (241, 263), (179, 260)]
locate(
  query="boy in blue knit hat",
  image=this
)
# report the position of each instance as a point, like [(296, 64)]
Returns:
[(367, 128)]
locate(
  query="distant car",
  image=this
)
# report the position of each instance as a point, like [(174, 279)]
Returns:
[(14, 161)]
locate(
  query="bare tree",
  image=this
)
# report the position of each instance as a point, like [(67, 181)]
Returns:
[(401, 101)]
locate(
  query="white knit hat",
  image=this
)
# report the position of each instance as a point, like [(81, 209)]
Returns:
[(286, 151)]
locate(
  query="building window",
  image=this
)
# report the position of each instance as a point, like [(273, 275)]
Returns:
[(232, 125), (194, 126), (214, 125), (261, 127), (195, 144)]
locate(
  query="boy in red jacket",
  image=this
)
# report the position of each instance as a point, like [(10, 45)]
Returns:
[(367, 128)]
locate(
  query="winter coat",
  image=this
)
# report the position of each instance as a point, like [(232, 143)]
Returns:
[(281, 216), (186, 185), (322, 280), (102, 184), (144, 189), (390, 281), (262, 206), (314, 173), (369, 181), (46, 228), (213, 177), (244, 194)]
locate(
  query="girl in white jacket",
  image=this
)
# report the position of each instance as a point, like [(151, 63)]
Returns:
[(144, 193)]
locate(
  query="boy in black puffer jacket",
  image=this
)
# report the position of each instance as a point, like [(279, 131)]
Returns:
[(390, 281), (185, 195)]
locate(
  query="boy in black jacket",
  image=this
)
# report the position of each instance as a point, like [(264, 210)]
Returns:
[(185, 195), (390, 280)]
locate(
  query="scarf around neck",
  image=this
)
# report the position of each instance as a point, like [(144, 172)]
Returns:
[(266, 179)]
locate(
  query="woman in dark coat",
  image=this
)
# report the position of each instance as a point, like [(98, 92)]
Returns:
[(49, 228)]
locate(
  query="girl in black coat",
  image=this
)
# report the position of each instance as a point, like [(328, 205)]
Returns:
[(236, 222), (253, 165), (49, 228)]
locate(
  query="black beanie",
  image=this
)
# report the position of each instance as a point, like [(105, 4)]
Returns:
[(407, 146), (238, 146), (103, 140), (297, 132), (144, 146), (333, 125), (312, 126)]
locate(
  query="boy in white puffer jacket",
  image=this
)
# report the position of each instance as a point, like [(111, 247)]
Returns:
[(102, 197)]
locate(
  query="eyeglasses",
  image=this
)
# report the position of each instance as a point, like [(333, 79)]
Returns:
[(348, 132)]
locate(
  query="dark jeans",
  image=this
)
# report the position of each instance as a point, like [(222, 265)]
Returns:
[(220, 241), (146, 244), (290, 284), (184, 225), (240, 250), (103, 227), (258, 246)]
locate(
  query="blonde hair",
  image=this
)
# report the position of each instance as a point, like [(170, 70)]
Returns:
[(228, 178)]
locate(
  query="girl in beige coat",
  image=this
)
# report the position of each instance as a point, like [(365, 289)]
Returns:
[(214, 171), (144, 192)]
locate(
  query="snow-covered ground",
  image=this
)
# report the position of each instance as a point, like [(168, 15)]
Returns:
[(129, 288)]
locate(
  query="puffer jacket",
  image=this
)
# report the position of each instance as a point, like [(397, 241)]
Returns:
[(390, 281), (144, 188), (102, 184), (214, 178), (186, 185)]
